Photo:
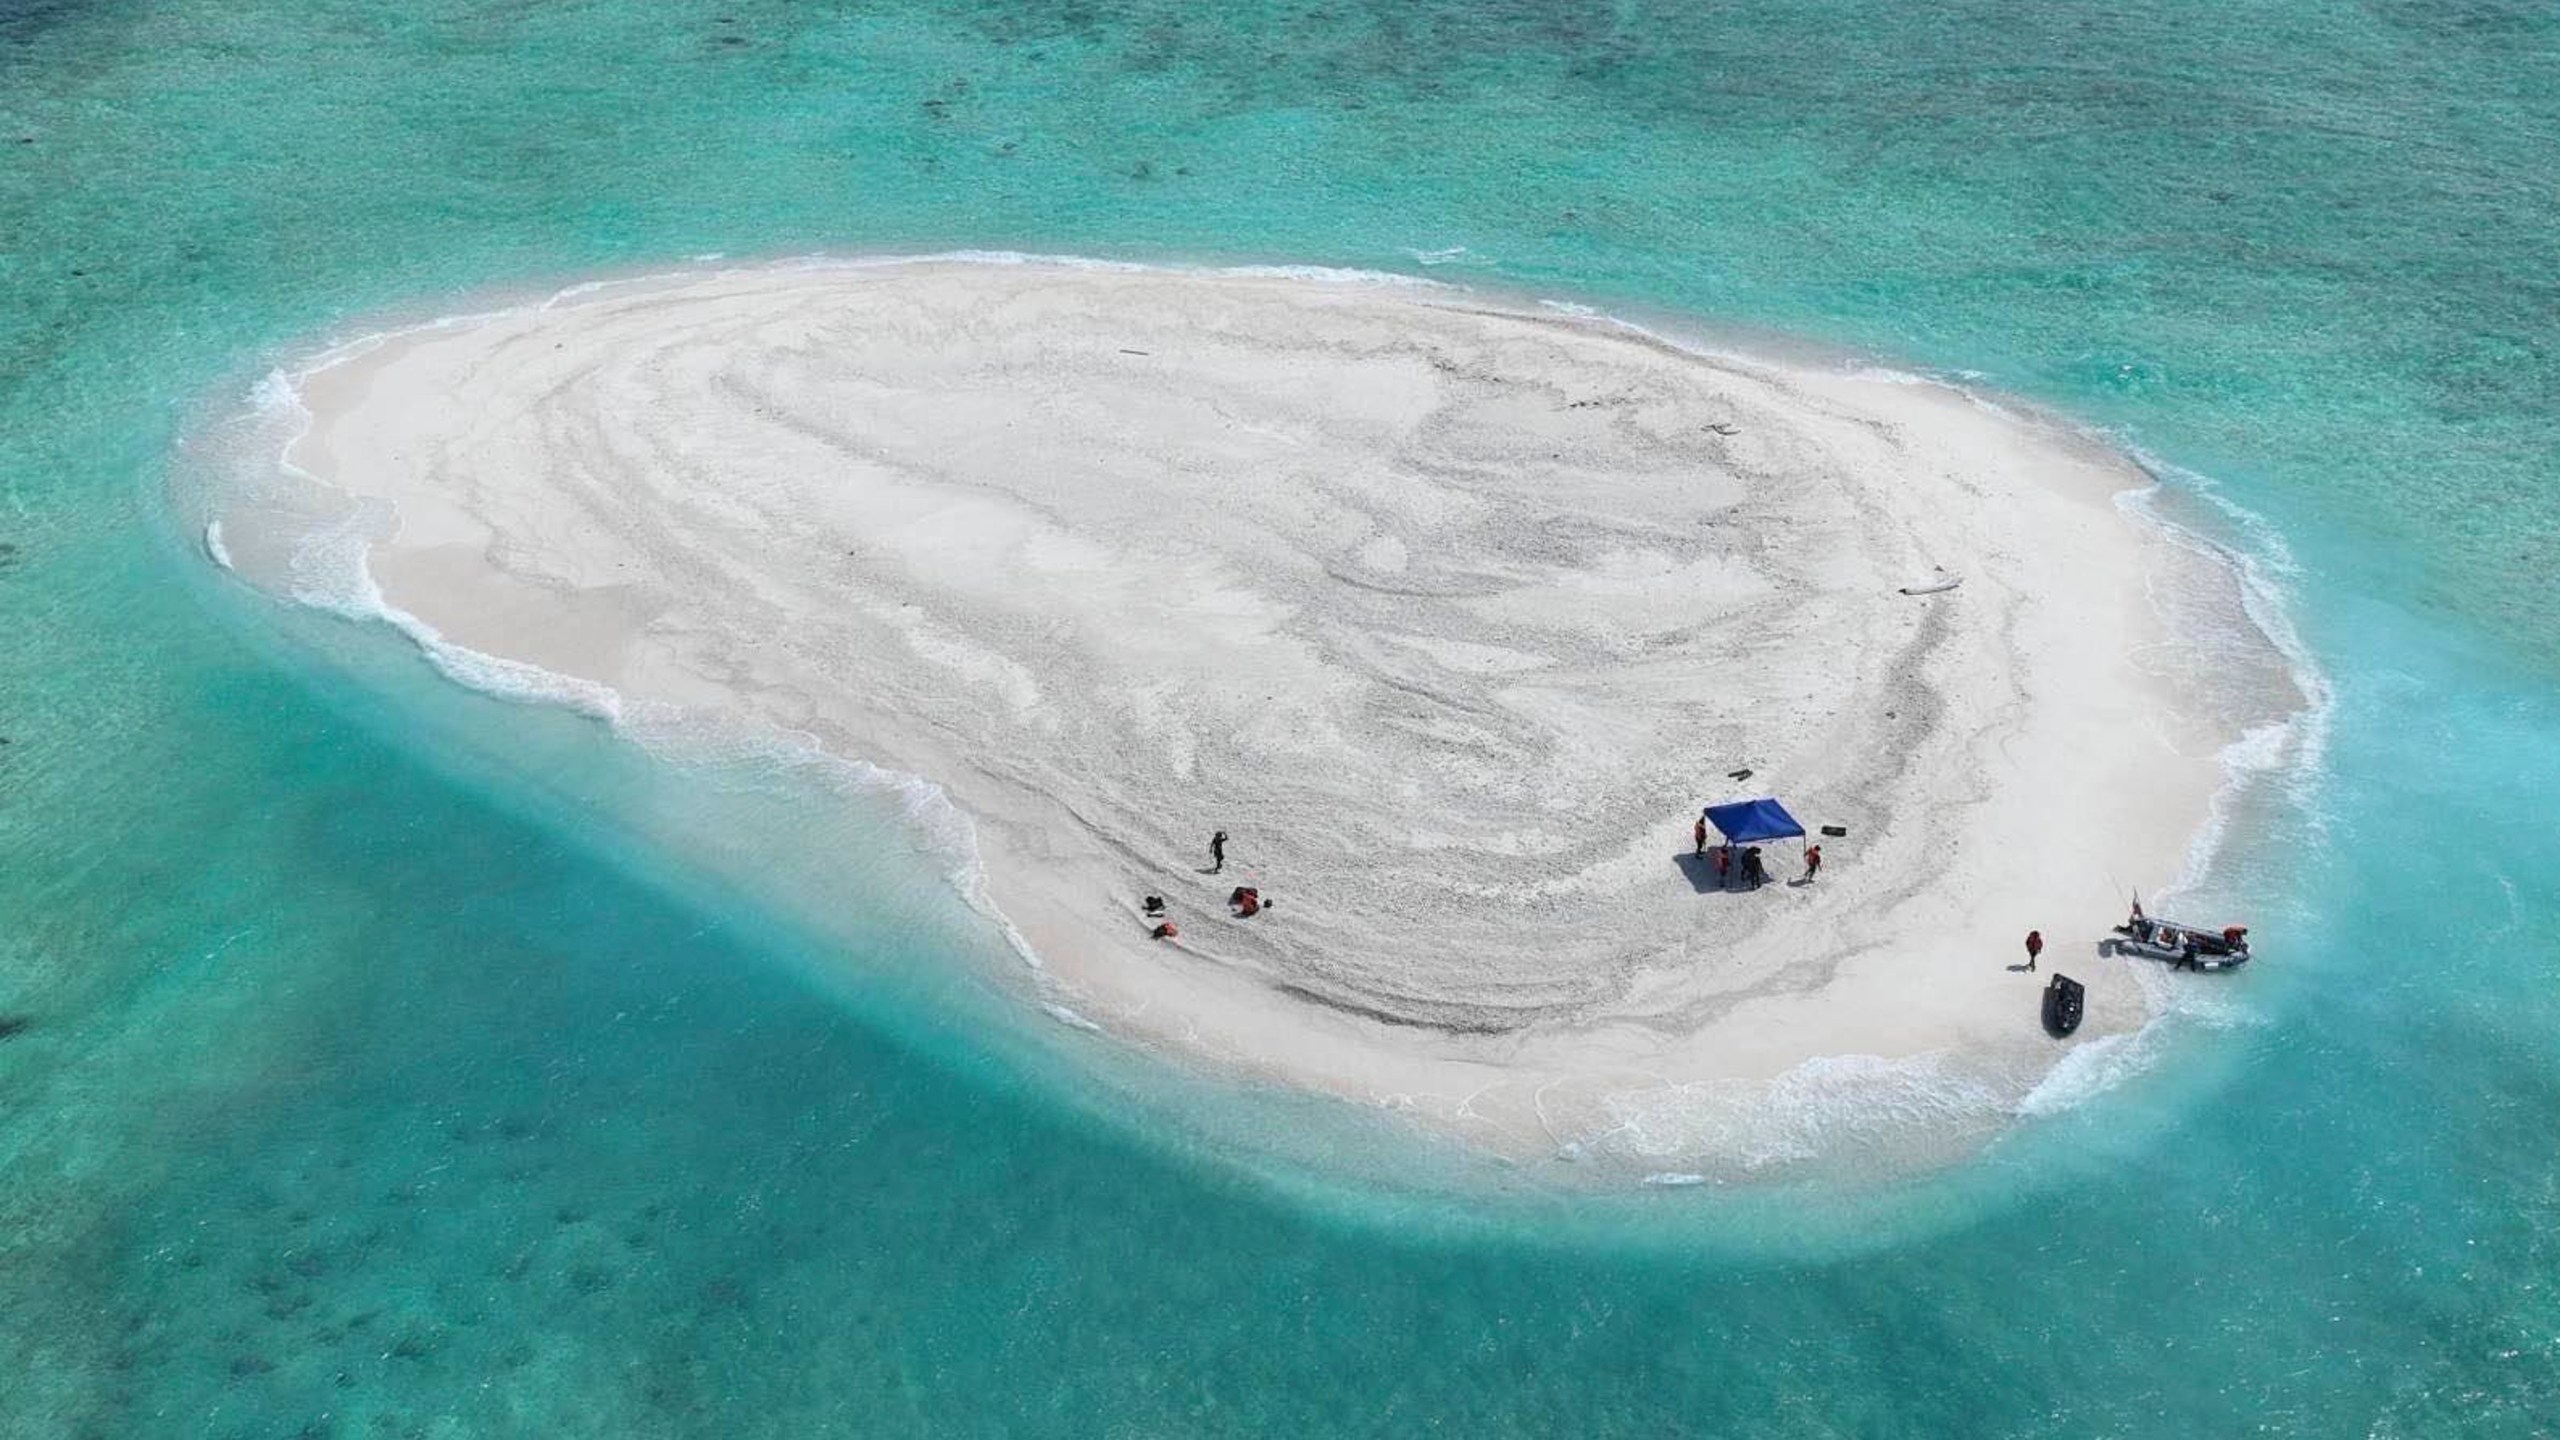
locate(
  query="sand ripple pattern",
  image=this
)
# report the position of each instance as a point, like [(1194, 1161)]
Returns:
[(1451, 612)]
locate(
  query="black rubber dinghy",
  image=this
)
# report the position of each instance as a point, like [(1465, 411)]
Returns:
[(2062, 1000)]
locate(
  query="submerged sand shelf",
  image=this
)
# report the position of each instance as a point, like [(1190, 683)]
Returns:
[(1451, 611)]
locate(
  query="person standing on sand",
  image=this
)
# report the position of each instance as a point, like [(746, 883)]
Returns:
[(1700, 830), (1217, 852), (2035, 947), (1812, 862)]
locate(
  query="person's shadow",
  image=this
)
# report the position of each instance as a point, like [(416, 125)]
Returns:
[(2103, 949)]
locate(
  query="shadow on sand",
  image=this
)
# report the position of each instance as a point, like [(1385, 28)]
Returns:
[(1701, 875)]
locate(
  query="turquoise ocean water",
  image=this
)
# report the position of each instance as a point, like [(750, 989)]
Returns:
[(381, 1060)]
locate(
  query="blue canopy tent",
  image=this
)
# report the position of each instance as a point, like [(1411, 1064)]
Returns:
[(1748, 822)]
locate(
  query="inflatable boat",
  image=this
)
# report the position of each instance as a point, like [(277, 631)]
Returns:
[(2187, 945)]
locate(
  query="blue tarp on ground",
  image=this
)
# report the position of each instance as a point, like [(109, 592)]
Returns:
[(1746, 822)]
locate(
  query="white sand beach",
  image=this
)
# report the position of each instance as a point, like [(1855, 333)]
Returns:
[(1451, 611)]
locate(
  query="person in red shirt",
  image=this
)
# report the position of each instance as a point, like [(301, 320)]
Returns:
[(1812, 862), (2035, 947)]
